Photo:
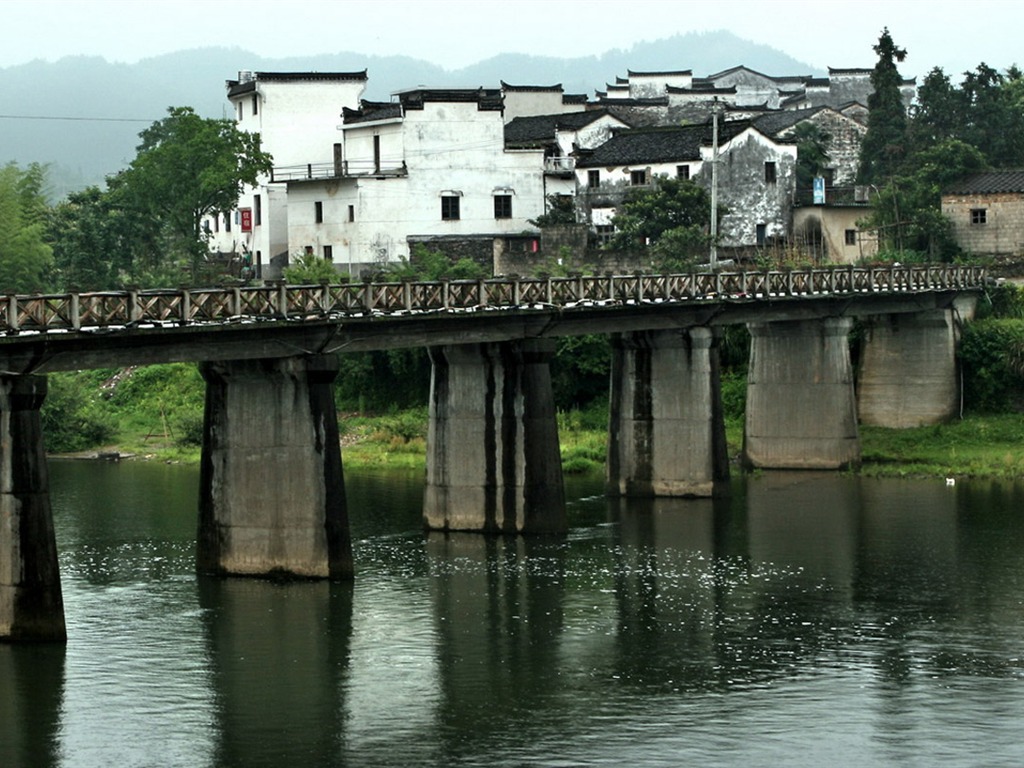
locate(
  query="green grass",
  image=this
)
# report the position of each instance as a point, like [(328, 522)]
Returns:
[(157, 412), (977, 446)]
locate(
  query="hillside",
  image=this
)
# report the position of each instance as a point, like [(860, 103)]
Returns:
[(82, 115)]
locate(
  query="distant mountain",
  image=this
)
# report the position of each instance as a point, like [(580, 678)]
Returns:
[(82, 115)]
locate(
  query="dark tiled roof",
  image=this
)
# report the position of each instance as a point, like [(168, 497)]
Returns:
[(485, 98), (988, 183), (782, 120), (574, 98), (370, 111), (237, 87), (633, 73), (658, 145), (530, 88), (699, 89), (540, 129)]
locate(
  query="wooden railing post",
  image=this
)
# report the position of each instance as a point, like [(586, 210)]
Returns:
[(74, 311)]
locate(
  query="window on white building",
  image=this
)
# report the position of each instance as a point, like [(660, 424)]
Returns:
[(450, 207), (593, 179), (851, 237), (255, 104), (328, 253), (318, 212), (769, 173), (638, 178), (351, 213), (682, 172), (503, 206), (257, 211)]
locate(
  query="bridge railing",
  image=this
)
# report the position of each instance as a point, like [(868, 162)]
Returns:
[(105, 309)]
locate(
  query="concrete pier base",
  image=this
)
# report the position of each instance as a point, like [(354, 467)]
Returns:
[(272, 494), (493, 463), (907, 374), (31, 604), (801, 411), (666, 434)]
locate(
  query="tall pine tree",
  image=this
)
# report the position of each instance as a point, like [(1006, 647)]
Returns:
[(884, 144)]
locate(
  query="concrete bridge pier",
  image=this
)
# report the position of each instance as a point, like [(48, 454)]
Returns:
[(801, 411), (31, 604), (908, 375), (272, 494), (493, 461), (666, 434)]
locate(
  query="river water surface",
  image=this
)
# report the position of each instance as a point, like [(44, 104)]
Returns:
[(807, 620)]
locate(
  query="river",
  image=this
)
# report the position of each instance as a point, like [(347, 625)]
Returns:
[(807, 620)]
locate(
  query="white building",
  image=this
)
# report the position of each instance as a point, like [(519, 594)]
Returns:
[(430, 166), (756, 176), (296, 115)]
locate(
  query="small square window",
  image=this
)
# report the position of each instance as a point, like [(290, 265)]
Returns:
[(503, 206), (769, 173), (593, 179), (682, 172), (979, 215), (450, 208), (851, 237), (638, 178)]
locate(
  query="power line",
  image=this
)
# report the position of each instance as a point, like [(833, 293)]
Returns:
[(78, 119)]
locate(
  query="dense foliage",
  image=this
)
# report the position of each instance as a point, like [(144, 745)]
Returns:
[(951, 131), (25, 257), (146, 226), (672, 218)]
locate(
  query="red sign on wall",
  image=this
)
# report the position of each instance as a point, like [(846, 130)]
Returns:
[(246, 219)]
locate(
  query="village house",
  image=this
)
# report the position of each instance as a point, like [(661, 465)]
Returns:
[(296, 114), (756, 176), (987, 212), (430, 167), (826, 215)]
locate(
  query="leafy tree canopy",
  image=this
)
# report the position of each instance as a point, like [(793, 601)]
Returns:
[(25, 257), (189, 167)]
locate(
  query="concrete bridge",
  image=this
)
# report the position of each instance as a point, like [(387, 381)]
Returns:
[(272, 495)]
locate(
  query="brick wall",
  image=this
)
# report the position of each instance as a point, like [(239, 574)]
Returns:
[(1002, 232)]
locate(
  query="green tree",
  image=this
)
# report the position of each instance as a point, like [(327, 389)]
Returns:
[(812, 144), (938, 113), (907, 210), (648, 214), (25, 258), (187, 168), (884, 145)]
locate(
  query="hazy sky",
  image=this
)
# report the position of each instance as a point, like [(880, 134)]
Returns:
[(953, 34)]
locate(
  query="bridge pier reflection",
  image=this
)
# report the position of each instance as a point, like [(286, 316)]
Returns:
[(31, 604), (666, 434), (272, 494), (801, 411), (493, 462)]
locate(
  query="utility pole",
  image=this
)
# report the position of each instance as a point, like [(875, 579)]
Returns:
[(714, 185)]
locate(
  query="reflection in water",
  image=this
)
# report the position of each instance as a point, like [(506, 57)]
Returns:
[(31, 689), (808, 619), (278, 654)]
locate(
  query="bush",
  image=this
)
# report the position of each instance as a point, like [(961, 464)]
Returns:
[(992, 356), (73, 415)]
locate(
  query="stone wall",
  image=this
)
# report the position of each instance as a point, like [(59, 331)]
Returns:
[(1002, 232)]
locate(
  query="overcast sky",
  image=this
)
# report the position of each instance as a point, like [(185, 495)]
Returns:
[(953, 34)]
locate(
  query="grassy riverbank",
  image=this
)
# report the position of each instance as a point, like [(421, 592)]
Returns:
[(156, 413), (977, 446)]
